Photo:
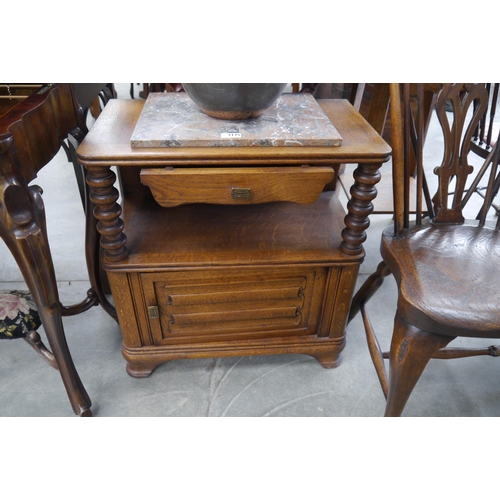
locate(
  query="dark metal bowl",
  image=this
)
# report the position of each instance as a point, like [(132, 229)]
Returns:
[(234, 101)]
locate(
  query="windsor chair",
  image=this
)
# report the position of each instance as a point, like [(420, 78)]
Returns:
[(447, 268)]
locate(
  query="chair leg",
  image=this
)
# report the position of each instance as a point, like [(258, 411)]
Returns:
[(368, 289), (23, 228), (411, 350), (52, 323), (375, 352)]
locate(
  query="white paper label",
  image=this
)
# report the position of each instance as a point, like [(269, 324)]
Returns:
[(228, 135)]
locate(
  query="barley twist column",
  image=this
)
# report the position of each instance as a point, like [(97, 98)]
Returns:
[(359, 208), (107, 211)]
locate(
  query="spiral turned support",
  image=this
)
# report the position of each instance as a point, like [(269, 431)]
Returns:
[(359, 207), (107, 211)]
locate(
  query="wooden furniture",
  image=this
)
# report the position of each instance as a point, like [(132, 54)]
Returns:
[(375, 108), (447, 268), (86, 97), (484, 137), (89, 98), (30, 135), (13, 94), (32, 129), (216, 279), (483, 143)]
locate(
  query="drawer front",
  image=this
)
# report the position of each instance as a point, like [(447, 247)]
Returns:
[(236, 186), (205, 306)]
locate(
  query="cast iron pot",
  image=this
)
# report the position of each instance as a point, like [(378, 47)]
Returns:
[(234, 101)]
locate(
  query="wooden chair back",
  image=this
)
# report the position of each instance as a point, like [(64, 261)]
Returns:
[(485, 135), (469, 103)]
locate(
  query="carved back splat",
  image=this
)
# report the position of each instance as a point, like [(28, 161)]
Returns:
[(457, 138)]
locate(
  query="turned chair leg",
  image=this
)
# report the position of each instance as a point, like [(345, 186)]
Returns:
[(368, 289), (411, 350)]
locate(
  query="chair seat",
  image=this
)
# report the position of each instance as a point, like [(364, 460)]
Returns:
[(18, 314), (449, 278)]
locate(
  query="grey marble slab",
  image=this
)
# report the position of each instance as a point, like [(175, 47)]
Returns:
[(173, 120)]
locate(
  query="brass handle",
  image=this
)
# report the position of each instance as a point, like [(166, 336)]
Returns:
[(240, 193), (154, 312)]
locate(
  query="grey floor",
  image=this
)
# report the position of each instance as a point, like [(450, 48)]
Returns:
[(286, 385)]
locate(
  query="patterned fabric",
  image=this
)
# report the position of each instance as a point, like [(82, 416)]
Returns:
[(18, 314)]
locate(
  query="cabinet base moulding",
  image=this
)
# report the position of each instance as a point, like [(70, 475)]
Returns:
[(142, 361)]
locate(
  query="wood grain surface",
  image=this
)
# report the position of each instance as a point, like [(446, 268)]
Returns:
[(236, 186), (108, 143)]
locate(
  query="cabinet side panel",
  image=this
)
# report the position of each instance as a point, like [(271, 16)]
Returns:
[(343, 298), (125, 309), (140, 297), (328, 306)]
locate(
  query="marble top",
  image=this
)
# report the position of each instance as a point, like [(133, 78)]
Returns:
[(173, 120)]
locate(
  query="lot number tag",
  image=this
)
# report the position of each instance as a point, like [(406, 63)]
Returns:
[(230, 135)]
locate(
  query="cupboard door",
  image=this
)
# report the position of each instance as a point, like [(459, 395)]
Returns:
[(210, 306)]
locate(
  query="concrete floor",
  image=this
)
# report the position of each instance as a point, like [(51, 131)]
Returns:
[(283, 386)]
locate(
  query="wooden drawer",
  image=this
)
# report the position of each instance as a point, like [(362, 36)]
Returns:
[(201, 306), (236, 186)]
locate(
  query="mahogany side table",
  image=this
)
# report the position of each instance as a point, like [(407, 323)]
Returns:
[(229, 274)]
